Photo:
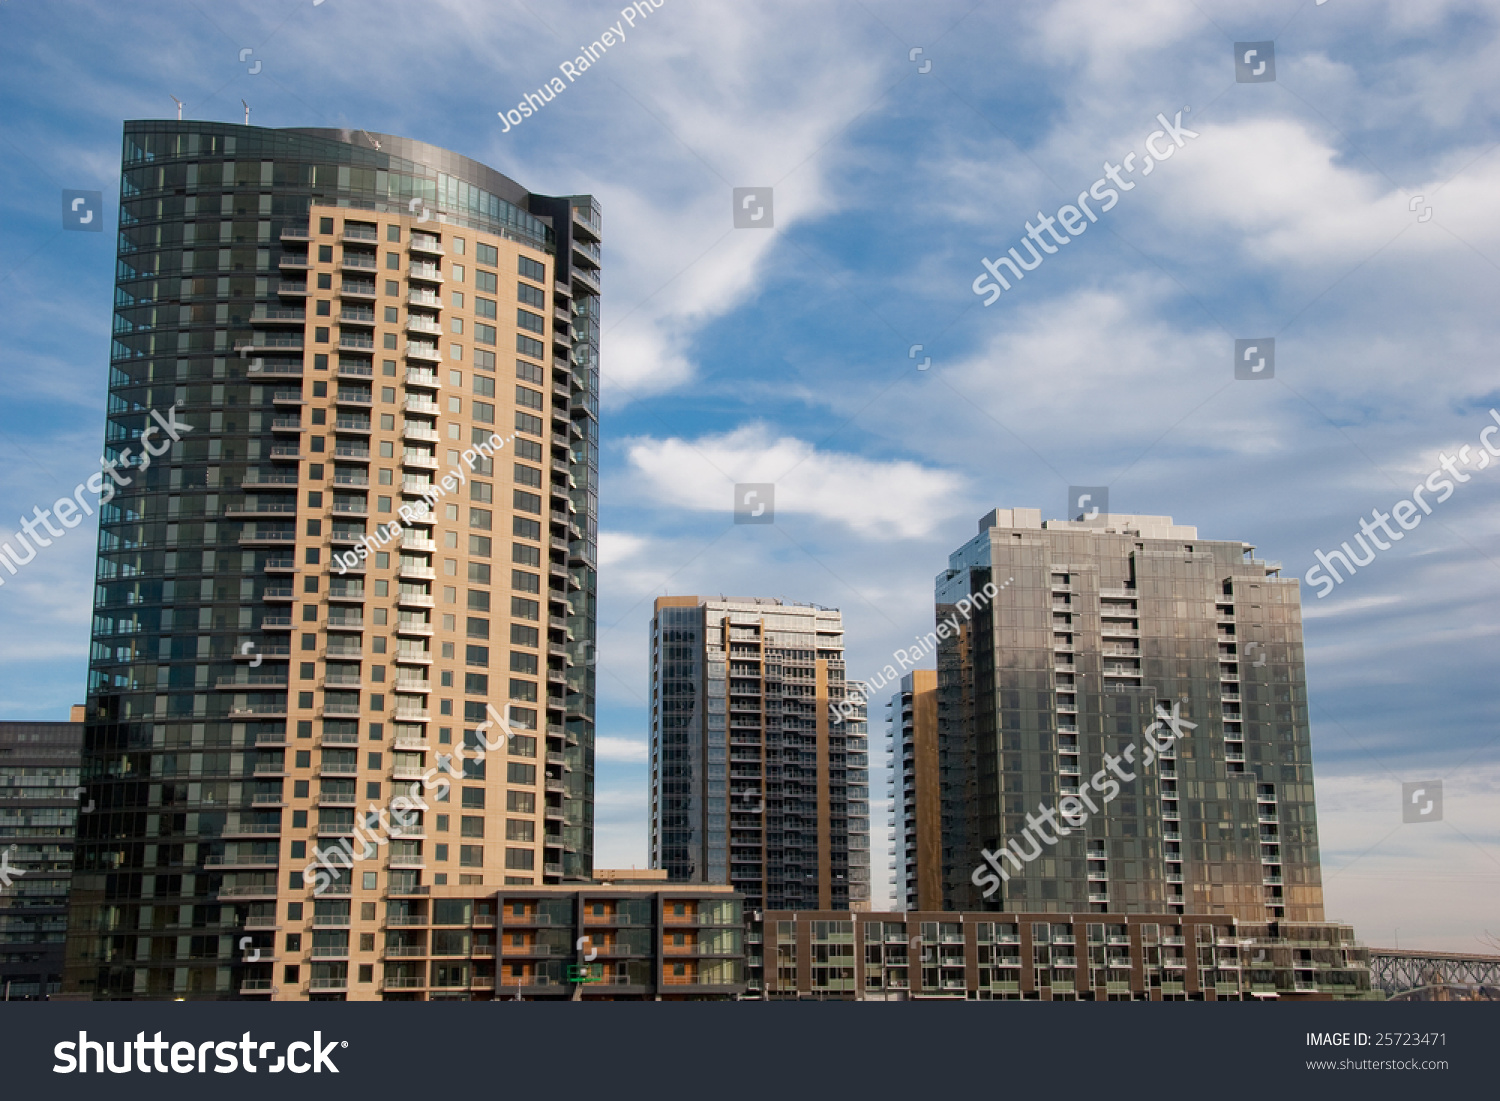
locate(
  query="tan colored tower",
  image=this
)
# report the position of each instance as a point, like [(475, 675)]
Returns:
[(343, 648)]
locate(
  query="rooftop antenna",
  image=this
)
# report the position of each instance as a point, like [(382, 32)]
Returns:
[(179, 107), (246, 106)]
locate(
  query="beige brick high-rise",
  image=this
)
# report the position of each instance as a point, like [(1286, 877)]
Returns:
[(380, 529)]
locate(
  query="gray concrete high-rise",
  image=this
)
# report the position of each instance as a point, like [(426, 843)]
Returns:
[(1107, 631), (755, 779)]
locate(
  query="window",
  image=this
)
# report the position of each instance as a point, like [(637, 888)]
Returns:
[(477, 655), (472, 825), (471, 856), (473, 798), (532, 270), (488, 255), (484, 307), (484, 387), (526, 529), (531, 399), (456, 325), (522, 690), (528, 475), (528, 371), (481, 518), (525, 582), (527, 502), (521, 859), (522, 608), (485, 334), (478, 628), (520, 802), (482, 492), (532, 296), (526, 345), (528, 424), (531, 322), (479, 545), (479, 572), (483, 412), (485, 361), (523, 636), (523, 663), (517, 830), (517, 773), (487, 281), (479, 600)]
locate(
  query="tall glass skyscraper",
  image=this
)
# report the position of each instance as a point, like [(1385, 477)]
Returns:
[(754, 780), (353, 445), (1104, 633)]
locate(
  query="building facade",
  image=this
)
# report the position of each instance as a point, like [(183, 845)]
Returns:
[(1125, 646), (39, 766), (916, 822), (365, 528), (921, 955), (755, 781)]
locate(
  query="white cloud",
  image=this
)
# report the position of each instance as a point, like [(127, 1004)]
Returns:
[(619, 749), (874, 498)]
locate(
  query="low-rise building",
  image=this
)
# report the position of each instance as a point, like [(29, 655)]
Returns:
[(916, 955), (630, 936)]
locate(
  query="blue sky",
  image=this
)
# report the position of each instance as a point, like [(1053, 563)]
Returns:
[(783, 355)]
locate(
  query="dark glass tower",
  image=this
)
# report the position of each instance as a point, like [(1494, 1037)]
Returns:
[(366, 371), (1098, 628)]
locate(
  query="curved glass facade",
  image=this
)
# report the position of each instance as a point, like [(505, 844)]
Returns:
[(350, 516)]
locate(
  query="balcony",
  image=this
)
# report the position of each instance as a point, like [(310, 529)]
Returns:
[(427, 272), (419, 297), (421, 350), (416, 323), (414, 404), (357, 291), (416, 376), (259, 368), (425, 243), (270, 315)]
